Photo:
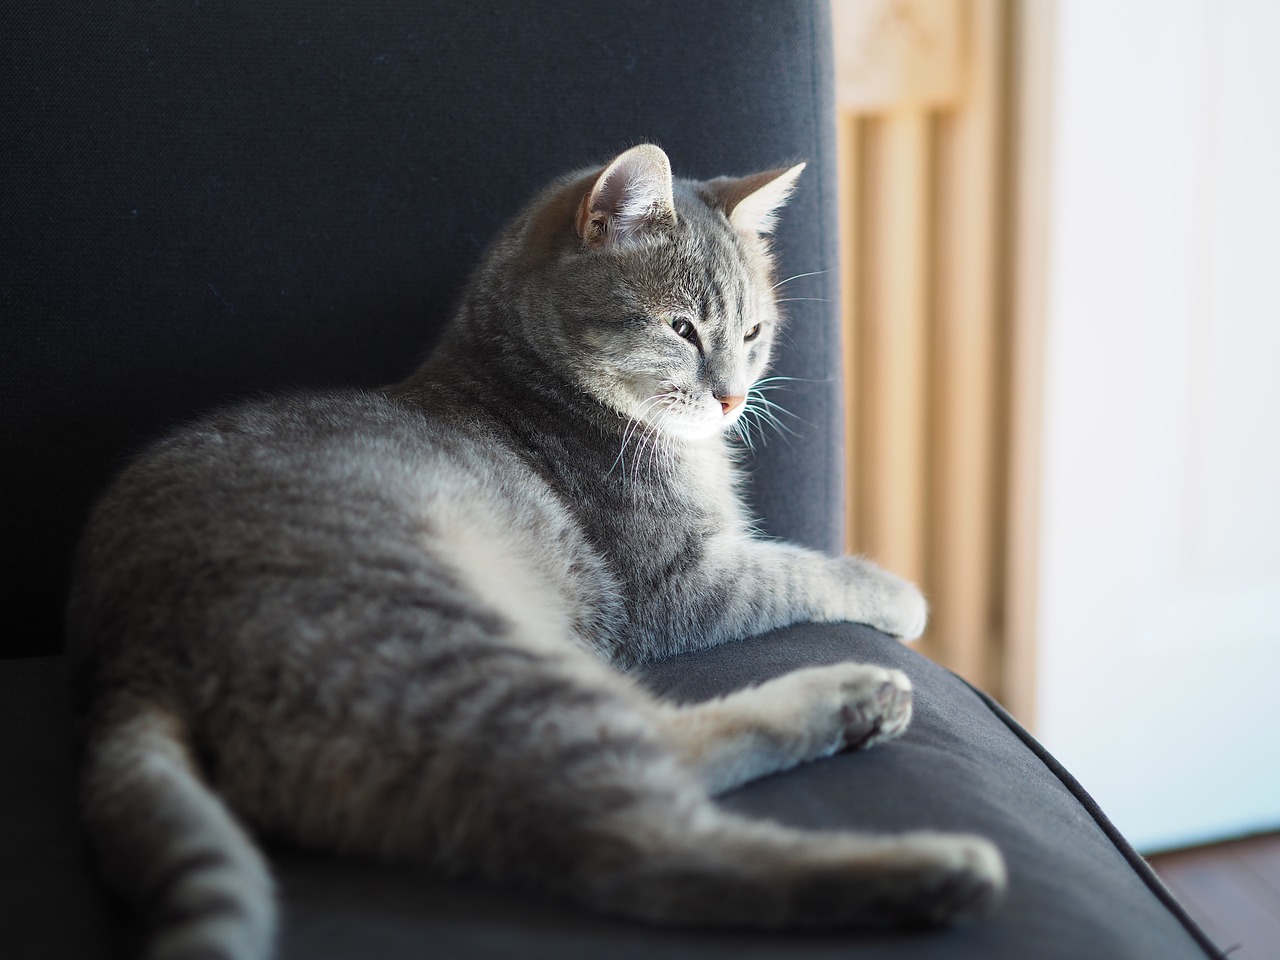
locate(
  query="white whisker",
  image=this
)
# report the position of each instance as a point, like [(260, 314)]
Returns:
[(743, 429), (636, 425), (797, 277), (772, 406), (763, 411), (776, 379)]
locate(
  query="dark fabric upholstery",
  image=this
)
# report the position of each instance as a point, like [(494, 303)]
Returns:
[(208, 200), (1073, 891), (203, 200)]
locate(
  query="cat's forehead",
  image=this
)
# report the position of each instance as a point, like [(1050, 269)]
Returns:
[(692, 256), (697, 216), (705, 237), (702, 239)]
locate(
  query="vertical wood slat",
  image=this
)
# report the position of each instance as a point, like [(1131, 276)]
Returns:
[(1031, 30), (963, 442), (923, 216), (892, 307)]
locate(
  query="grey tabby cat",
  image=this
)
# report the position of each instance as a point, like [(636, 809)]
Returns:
[(396, 622)]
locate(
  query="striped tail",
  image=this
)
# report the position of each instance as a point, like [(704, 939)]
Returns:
[(169, 845), (727, 871)]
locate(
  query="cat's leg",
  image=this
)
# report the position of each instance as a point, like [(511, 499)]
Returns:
[(792, 719), (548, 772), (790, 582), (735, 587)]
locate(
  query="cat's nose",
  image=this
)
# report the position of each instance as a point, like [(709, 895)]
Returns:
[(728, 404)]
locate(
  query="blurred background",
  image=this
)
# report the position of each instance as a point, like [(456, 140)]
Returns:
[(1060, 287)]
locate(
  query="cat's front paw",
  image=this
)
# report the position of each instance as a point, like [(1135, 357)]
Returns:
[(911, 613), (887, 602)]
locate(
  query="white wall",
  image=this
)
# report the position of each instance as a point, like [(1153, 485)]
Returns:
[(1159, 566)]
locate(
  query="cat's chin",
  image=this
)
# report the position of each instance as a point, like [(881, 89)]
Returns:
[(693, 429), (674, 417)]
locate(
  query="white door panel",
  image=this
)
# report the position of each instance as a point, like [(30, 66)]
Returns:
[(1159, 612)]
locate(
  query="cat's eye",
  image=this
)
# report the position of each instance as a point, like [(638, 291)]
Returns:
[(683, 328), (752, 334)]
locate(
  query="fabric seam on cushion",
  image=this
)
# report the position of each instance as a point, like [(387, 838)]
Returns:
[(1126, 850)]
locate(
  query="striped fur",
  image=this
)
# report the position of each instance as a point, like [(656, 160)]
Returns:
[(397, 623)]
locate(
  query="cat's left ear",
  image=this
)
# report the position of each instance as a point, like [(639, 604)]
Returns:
[(631, 195), (752, 202)]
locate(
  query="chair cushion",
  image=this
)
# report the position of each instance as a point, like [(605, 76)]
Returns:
[(1076, 888)]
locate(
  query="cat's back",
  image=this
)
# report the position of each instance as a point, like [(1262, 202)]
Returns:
[(320, 509), (262, 465)]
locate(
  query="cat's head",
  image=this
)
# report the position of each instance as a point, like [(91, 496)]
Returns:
[(653, 295)]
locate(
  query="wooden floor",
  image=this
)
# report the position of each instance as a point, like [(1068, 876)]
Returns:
[(1233, 890)]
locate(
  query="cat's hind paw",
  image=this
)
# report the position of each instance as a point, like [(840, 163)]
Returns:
[(875, 707)]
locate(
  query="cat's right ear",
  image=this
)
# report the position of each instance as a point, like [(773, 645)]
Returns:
[(751, 203), (629, 197)]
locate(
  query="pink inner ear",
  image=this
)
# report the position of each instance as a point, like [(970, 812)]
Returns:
[(631, 194), (752, 202), (591, 226)]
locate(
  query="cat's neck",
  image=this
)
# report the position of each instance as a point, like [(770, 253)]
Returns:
[(481, 363)]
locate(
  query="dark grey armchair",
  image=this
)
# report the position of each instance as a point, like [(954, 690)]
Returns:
[(203, 200)]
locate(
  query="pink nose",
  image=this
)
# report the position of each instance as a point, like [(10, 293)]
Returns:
[(728, 404)]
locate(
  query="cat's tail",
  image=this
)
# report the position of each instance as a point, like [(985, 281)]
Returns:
[(732, 872), (166, 842)]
